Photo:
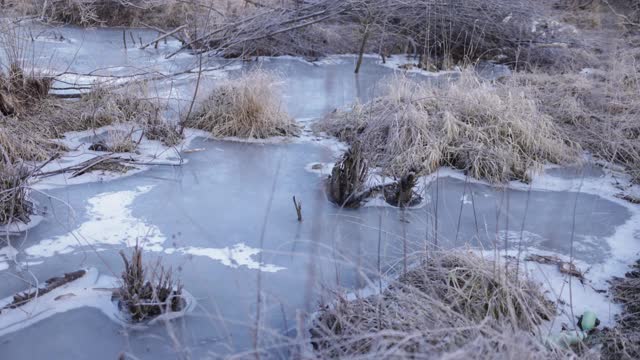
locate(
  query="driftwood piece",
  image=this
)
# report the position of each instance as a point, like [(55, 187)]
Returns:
[(164, 36), (564, 267), (50, 285)]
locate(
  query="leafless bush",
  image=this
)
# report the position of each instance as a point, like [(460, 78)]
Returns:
[(439, 33), (452, 305), (493, 132), (145, 295), (165, 13), (247, 107)]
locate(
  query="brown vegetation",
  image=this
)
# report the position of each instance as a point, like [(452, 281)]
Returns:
[(14, 202), (246, 107), (145, 295), (623, 341), (495, 133), (452, 305), (164, 13), (49, 285), (346, 184), (440, 34), (597, 108)]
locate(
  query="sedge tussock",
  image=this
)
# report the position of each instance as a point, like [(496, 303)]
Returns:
[(246, 107), (452, 305), (494, 132)]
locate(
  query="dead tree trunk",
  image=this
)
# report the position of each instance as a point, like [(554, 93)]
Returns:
[(363, 46)]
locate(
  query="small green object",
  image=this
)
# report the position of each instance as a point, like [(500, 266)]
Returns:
[(566, 339), (588, 321)]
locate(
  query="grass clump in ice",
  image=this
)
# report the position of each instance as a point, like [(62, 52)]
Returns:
[(14, 201), (19, 90), (245, 107), (597, 108), (37, 120), (452, 304), (147, 292), (494, 132), (345, 186)]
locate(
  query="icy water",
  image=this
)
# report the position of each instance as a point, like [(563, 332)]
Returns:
[(226, 224)]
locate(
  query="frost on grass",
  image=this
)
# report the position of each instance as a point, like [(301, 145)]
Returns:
[(453, 304), (495, 133), (596, 108), (245, 107), (14, 201), (623, 341), (30, 130)]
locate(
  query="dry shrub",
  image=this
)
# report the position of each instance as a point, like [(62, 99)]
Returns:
[(29, 132), (598, 109), (452, 305), (145, 295), (495, 133), (19, 90), (440, 33), (159, 129), (246, 107), (164, 13), (14, 203)]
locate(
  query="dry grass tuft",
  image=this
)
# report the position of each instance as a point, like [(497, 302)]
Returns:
[(597, 108), (158, 129), (246, 107), (495, 133), (28, 134), (14, 203), (19, 90), (169, 13), (146, 296), (453, 305), (623, 341)]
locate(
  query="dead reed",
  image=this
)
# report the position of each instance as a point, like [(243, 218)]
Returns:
[(597, 108), (623, 341), (148, 291), (494, 132), (451, 305), (15, 204), (246, 107)]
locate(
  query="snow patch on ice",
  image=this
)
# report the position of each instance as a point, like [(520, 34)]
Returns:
[(236, 256), (111, 222)]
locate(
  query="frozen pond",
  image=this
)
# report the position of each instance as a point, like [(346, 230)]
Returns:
[(226, 224)]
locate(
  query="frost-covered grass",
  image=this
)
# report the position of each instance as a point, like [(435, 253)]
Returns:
[(597, 108), (452, 304), (623, 341), (495, 133), (14, 203)]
